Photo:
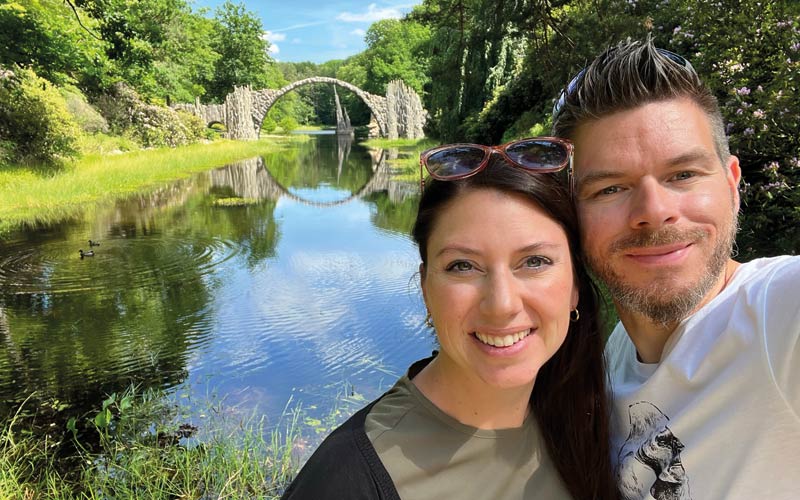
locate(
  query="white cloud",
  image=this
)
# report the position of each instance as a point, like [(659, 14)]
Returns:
[(273, 49), (302, 25), (358, 32), (372, 14), (274, 37)]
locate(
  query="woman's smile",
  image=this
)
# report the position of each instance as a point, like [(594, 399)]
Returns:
[(499, 287)]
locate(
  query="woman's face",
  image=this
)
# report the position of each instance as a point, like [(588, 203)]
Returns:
[(499, 287)]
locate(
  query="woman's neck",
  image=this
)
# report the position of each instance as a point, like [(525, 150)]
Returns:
[(470, 400)]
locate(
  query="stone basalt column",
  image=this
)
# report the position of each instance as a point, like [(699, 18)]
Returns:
[(238, 114)]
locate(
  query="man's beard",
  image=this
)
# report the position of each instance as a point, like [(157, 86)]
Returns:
[(663, 300)]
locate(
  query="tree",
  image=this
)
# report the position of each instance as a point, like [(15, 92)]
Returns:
[(239, 40), (60, 45), (396, 50)]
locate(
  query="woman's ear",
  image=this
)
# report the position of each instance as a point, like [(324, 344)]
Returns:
[(422, 281), (575, 297)]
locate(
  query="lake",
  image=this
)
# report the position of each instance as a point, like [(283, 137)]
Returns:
[(287, 279)]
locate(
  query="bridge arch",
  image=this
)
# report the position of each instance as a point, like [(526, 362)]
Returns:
[(263, 100), (398, 114)]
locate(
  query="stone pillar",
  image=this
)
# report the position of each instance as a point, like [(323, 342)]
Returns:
[(405, 114), (238, 114)]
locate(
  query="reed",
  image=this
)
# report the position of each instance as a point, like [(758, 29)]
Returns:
[(41, 194), (144, 453)]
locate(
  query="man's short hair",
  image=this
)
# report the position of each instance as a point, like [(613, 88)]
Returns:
[(631, 74)]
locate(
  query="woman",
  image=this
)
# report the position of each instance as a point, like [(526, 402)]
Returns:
[(514, 405)]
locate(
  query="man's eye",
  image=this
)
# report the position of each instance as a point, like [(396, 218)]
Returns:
[(608, 190), (459, 266), (536, 261), (682, 176)]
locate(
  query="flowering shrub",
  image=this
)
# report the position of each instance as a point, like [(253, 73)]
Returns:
[(750, 57), (34, 121), (148, 124), (84, 114), (195, 128)]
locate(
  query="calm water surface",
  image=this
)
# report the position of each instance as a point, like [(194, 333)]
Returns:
[(305, 292)]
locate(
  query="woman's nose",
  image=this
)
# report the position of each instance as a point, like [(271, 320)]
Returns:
[(501, 298)]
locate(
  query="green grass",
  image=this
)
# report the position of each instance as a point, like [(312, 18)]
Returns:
[(420, 144), (406, 164), (100, 143), (235, 202), (36, 194), (144, 453)]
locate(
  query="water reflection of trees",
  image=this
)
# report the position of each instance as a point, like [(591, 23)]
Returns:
[(76, 330)]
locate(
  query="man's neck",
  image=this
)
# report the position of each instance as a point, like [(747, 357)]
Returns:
[(650, 337)]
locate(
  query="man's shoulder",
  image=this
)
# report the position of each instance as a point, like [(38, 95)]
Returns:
[(618, 347), (768, 268)]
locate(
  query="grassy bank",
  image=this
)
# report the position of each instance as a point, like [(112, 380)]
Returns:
[(137, 446), (406, 162), (34, 194)]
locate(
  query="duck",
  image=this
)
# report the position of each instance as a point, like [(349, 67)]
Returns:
[(94, 243), (90, 253)]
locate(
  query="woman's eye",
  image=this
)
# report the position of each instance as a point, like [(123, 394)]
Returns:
[(460, 266), (536, 261)]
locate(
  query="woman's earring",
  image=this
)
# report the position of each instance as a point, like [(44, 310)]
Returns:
[(428, 320), (574, 315)]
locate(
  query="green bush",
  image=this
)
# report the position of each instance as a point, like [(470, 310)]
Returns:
[(156, 126), (268, 125), (34, 118), (288, 124), (117, 106), (148, 124), (89, 119), (195, 128)]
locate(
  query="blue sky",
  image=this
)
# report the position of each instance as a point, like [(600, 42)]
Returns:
[(318, 30)]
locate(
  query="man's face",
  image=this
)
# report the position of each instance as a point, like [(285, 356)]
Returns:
[(657, 209)]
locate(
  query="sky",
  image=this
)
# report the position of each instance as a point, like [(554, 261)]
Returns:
[(317, 30)]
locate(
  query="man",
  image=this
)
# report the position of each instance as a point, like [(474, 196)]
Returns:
[(705, 364)]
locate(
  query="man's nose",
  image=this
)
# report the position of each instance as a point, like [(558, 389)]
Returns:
[(501, 296), (653, 205)]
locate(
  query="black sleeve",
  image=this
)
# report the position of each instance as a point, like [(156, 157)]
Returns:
[(345, 466)]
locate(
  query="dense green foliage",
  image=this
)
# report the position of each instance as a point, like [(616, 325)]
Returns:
[(243, 53), (145, 53), (495, 69), (486, 71), (34, 120)]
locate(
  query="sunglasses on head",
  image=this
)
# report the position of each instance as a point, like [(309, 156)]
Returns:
[(458, 161), (573, 84)]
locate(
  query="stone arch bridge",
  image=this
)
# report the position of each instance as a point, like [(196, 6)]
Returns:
[(398, 114)]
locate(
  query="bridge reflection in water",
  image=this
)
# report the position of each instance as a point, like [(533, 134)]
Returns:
[(251, 179), (277, 300)]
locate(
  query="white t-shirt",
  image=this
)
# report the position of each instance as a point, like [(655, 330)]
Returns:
[(719, 416)]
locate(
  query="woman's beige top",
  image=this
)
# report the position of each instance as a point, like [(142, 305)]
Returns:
[(430, 455)]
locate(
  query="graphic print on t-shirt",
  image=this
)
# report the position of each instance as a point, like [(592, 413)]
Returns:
[(649, 461)]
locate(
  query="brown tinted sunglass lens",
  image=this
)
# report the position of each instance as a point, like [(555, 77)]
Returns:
[(455, 161), (538, 155)]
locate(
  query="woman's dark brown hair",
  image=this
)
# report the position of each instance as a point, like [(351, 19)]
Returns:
[(569, 397)]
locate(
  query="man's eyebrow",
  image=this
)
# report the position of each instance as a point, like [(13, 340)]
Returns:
[(698, 155), (597, 176)]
